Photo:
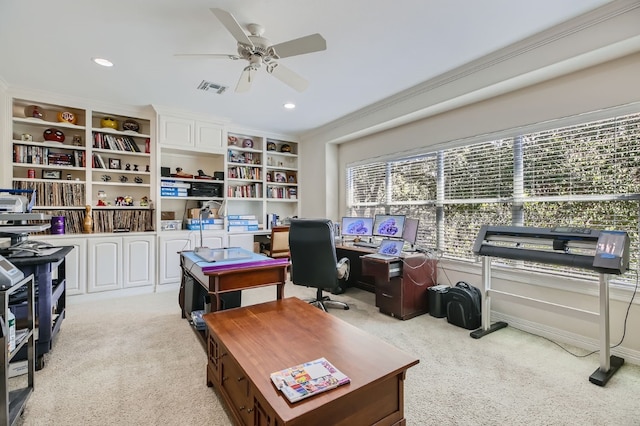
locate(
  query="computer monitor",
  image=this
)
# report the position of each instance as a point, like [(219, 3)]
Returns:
[(410, 233), (388, 225), (357, 226)]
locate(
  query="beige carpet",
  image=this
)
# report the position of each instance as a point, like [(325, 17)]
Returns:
[(134, 361)]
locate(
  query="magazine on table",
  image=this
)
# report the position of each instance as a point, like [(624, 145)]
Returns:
[(310, 378)]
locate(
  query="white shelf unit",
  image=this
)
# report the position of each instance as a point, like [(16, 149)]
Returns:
[(190, 163), (65, 176), (253, 163)]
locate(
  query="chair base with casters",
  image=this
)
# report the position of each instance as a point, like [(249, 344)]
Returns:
[(323, 302)]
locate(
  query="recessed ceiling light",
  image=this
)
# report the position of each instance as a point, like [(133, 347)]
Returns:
[(103, 62), (289, 105)]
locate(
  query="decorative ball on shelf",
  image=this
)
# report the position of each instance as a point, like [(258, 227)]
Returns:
[(247, 143), (285, 148), (34, 111), (271, 146), (109, 123), (67, 117), (131, 125), (53, 135)]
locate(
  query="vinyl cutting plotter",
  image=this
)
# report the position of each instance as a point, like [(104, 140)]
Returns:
[(606, 252)]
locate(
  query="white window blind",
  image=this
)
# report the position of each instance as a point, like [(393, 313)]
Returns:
[(585, 175)]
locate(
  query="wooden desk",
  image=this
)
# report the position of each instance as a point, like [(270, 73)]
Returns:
[(258, 271), (245, 345), (402, 284)]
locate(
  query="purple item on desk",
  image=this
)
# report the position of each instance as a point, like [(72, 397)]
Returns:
[(247, 263)]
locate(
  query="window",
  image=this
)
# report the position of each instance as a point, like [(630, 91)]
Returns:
[(585, 175)]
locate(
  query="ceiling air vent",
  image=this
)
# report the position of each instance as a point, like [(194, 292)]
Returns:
[(209, 86)]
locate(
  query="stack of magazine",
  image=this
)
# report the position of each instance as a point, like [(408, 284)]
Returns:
[(310, 378)]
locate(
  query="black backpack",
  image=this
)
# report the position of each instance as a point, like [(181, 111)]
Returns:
[(464, 306)]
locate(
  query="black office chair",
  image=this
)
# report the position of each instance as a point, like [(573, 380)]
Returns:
[(313, 259)]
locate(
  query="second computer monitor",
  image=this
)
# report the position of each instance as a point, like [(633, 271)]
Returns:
[(410, 233), (357, 226), (388, 225)]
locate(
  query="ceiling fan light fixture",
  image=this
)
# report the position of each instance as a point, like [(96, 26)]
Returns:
[(102, 61)]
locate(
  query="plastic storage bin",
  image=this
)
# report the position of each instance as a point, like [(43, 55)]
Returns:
[(436, 300)]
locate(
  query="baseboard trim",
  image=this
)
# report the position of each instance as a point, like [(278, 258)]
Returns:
[(563, 336)]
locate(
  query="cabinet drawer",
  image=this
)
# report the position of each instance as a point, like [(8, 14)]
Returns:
[(236, 385), (389, 296)]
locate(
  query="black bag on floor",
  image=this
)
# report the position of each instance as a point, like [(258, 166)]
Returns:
[(464, 306)]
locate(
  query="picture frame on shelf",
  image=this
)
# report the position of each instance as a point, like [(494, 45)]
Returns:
[(279, 177), (292, 177), (114, 163), (269, 176), (52, 174)]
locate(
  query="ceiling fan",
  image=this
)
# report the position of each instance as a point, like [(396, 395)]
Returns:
[(259, 51)]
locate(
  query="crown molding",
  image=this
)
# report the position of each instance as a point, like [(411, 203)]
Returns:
[(140, 111), (601, 35)]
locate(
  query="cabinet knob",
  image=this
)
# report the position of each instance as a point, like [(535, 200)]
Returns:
[(241, 408), (249, 410), (240, 378), (224, 378)]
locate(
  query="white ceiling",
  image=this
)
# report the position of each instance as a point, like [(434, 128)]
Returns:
[(373, 50)]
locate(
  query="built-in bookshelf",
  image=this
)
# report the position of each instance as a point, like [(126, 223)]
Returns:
[(74, 156), (261, 176)]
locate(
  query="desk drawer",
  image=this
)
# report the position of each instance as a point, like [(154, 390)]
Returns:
[(236, 385), (389, 296)]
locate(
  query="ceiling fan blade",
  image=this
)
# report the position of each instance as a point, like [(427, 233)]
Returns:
[(232, 26), (287, 76), (246, 78), (209, 55), (300, 46)]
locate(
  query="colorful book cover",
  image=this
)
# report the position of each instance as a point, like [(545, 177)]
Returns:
[(310, 378)]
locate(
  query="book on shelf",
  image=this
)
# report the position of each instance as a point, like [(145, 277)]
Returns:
[(164, 183), (308, 379), (243, 221), (240, 216), (242, 228)]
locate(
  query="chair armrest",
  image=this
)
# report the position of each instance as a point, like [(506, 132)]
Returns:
[(343, 267)]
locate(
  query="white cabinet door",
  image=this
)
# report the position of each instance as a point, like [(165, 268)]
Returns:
[(211, 240), (104, 264), (208, 137), (176, 131), (76, 263), (241, 240), (169, 256), (138, 260)]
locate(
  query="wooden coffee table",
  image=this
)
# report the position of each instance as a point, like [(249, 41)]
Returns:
[(245, 345)]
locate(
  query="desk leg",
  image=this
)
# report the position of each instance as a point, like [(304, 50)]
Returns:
[(280, 291)]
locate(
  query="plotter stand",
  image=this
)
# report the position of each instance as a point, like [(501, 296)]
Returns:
[(609, 253)]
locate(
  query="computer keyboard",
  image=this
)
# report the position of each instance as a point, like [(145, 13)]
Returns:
[(365, 244)]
